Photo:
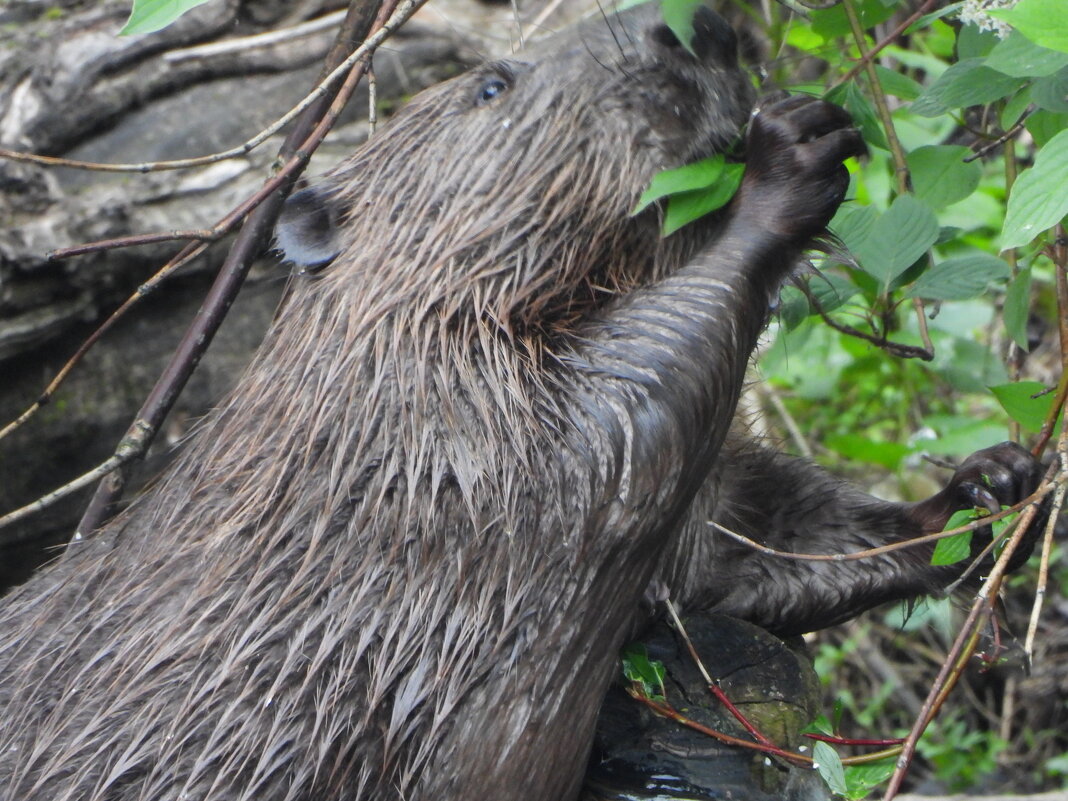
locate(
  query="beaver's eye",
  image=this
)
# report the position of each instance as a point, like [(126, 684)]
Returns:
[(490, 90)]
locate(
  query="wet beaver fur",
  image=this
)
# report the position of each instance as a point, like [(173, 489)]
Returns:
[(399, 560)]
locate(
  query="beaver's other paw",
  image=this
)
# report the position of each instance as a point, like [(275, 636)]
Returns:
[(1002, 475), (794, 179)]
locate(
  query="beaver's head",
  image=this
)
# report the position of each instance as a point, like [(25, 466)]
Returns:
[(504, 195)]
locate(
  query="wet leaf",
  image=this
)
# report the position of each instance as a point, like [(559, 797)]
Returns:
[(1026, 402), (940, 176), (958, 547), (960, 278), (966, 83), (829, 765)]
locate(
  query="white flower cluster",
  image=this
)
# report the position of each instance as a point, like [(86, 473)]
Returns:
[(974, 12)]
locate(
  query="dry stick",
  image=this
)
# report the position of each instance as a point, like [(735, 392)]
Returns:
[(255, 41), (1005, 139), (298, 145), (190, 251), (897, 152), (1043, 568), (959, 653), (321, 91), (130, 241), (1045, 489), (186, 255)]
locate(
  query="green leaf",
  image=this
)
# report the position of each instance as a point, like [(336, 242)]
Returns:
[(1051, 92), (966, 83), (698, 175), (1027, 402), (864, 116), (959, 278), (1044, 125), (898, 85), (678, 15), (1015, 107), (647, 673), (997, 529), (819, 726), (854, 224), (861, 779), (151, 15), (1020, 57), (975, 43), (831, 291), (899, 237), (1042, 21), (927, 19), (940, 176), (832, 23), (685, 207), (829, 764), (1018, 308), (958, 547), (1038, 200)]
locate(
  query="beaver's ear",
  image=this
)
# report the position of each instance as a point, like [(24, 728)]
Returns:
[(307, 229)]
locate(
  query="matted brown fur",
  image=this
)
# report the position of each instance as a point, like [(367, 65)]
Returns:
[(399, 560)]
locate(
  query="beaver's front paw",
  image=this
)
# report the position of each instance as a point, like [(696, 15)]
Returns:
[(1002, 475), (794, 179)]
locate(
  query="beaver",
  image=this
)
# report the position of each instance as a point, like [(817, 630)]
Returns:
[(398, 561)]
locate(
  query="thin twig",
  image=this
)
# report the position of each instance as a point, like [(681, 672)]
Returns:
[(256, 41), (878, 340), (1005, 138), (868, 553), (959, 653), (186, 255), (197, 235), (794, 430)]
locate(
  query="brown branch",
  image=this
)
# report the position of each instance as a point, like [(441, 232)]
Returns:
[(1005, 137), (959, 654), (203, 235), (878, 340), (666, 710)]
